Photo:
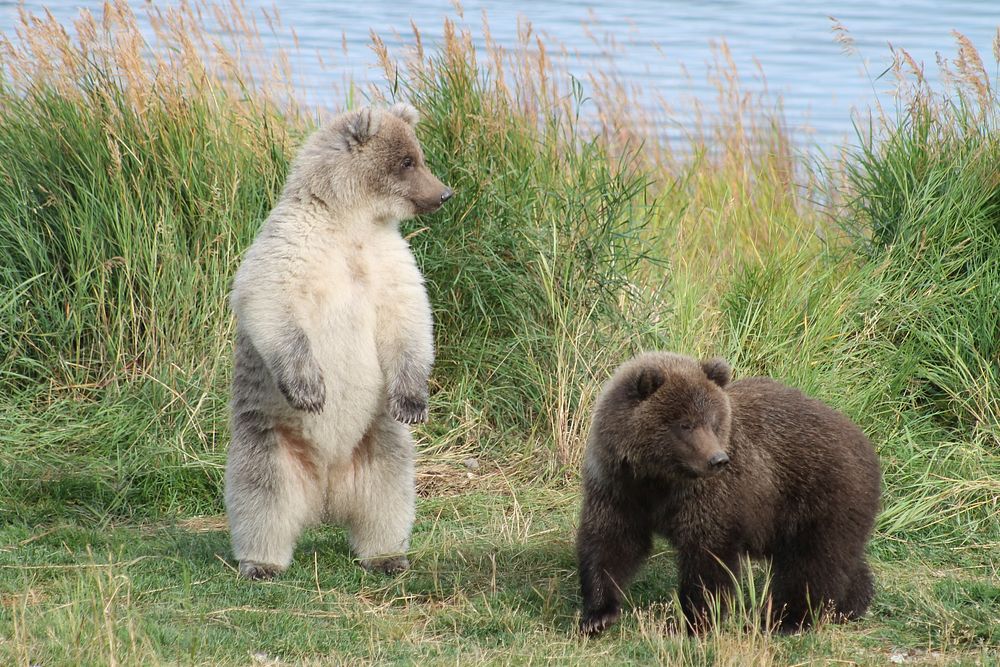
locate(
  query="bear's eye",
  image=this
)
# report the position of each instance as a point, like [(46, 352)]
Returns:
[(407, 163), (687, 426)]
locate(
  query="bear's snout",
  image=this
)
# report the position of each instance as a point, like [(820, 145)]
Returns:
[(707, 456), (718, 461), (429, 194)]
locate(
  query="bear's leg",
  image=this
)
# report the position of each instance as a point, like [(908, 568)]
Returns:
[(380, 517), (271, 494), (706, 579), (808, 579), (610, 548), (405, 341), (859, 593)]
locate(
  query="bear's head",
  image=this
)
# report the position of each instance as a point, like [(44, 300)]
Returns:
[(369, 160), (666, 415)]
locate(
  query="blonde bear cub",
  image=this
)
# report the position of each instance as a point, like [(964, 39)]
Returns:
[(334, 346)]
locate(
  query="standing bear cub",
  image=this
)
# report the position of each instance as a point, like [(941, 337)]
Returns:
[(724, 470), (334, 346)]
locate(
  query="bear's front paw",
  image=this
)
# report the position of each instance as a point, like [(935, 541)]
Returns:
[(258, 571), (408, 409), (386, 564), (304, 392), (594, 623)]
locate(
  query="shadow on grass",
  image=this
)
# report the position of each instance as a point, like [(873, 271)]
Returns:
[(469, 588), (532, 581)]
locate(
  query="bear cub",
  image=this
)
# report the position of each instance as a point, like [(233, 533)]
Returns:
[(724, 470), (334, 346)]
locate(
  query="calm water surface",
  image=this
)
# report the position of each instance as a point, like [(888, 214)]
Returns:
[(650, 43)]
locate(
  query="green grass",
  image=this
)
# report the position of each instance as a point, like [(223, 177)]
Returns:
[(127, 198), (493, 579)]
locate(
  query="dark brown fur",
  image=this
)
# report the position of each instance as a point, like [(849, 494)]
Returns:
[(800, 487)]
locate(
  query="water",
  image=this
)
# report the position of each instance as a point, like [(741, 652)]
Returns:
[(650, 42)]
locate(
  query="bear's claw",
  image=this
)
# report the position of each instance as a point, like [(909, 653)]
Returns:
[(258, 571), (307, 394), (408, 409), (386, 565), (594, 623)]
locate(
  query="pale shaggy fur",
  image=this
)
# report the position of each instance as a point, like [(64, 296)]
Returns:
[(334, 348)]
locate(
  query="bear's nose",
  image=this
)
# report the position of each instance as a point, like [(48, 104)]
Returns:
[(446, 195), (718, 460)]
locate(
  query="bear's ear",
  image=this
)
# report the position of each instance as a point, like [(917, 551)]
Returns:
[(718, 371), (360, 126), (406, 113), (647, 382)]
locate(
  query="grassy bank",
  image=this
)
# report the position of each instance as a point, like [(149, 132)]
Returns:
[(129, 187)]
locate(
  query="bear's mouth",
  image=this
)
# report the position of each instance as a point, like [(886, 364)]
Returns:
[(423, 205), (690, 473), (700, 472)]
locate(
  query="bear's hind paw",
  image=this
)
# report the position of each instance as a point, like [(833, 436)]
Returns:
[(386, 564), (258, 571)]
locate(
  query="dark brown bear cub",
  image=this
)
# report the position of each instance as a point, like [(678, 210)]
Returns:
[(724, 470)]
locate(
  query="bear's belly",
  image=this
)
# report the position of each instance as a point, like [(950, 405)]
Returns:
[(343, 341)]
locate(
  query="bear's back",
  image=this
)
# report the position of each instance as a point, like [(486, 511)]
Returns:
[(763, 405), (817, 453)]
